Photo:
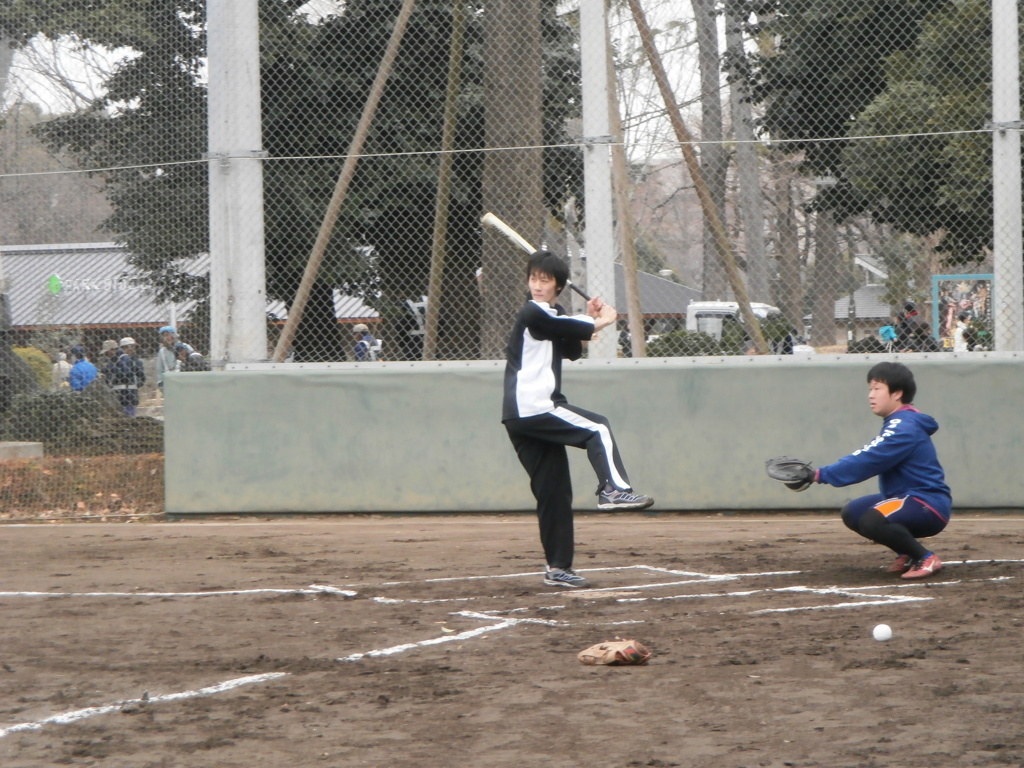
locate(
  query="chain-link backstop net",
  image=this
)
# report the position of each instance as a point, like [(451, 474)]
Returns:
[(735, 176)]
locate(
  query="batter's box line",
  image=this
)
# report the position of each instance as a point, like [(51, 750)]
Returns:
[(313, 589), (458, 636), (66, 718), (527, 574), (823, 591), (704, 578)]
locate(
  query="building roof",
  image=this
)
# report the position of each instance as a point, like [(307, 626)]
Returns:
[(93, 285), (658, 297), (868, 304), (874, 266)]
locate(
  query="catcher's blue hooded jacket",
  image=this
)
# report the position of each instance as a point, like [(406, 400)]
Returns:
[(904, 459)]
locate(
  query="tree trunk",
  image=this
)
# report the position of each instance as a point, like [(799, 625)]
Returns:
[(751, 210), (512, 179), (15, 375), (713, 159), (787, 249), (826, 279)]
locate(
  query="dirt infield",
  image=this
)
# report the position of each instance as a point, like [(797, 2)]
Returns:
[(431, 641)]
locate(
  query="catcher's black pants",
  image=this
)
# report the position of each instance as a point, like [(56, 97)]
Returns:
[(540, 443)]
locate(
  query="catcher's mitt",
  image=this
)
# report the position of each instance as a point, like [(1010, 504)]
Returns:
[(796, 474), (615, 653)]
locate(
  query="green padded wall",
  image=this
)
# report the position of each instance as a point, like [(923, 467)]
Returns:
[(427, 437)]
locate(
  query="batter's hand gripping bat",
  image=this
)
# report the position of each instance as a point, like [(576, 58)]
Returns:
[(490, 220)]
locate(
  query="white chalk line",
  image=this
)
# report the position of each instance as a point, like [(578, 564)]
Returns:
[(313, 589), (822, 591), (526, 574), (458, 636), (317, 589), (66, 718), (499, 625)]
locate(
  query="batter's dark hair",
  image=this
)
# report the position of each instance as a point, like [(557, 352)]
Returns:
[(897, 377), (549, 264)]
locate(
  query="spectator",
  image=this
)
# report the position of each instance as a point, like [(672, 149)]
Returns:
[(906, 328), (61, 371), (167, 356), (195, 362), (923, 339), (887, 334), (366, 348), (110, 352), (125, 375), (181, 353), (82, 371), (961, 336)]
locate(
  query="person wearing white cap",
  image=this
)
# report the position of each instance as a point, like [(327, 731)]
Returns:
[(125, 375), (367, 348)]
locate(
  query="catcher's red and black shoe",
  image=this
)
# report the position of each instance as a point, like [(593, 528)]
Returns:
[(564, 577), (924, 568), (614, 499), (901, 564)]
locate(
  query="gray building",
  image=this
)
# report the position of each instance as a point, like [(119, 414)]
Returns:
[(91, 292)]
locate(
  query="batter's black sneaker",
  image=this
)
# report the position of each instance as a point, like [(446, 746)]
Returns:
[(564, 577), (615, 499)]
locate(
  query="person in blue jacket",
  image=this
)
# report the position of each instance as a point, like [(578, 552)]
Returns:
[(82, 371), (914, 501)]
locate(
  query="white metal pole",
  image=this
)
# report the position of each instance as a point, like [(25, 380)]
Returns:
[(1008, 288), (599, 236), (238, 328)]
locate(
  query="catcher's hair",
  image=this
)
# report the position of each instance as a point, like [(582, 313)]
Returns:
[(897, 377), (549, 264)]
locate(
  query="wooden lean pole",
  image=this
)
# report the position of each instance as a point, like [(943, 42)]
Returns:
[(722, 244), (341, 188)]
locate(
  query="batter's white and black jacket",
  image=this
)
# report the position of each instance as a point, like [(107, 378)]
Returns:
[(541, 337)]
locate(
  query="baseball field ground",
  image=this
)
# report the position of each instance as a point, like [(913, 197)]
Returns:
[(431, 641)]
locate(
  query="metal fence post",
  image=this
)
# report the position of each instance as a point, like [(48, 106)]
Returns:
[(1008, 305), (238, 326), (597, 167)]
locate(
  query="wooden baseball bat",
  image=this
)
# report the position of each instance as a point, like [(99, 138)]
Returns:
[(492, 221)]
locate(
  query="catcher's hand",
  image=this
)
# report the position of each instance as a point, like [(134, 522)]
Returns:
[(795, 474), (615, 653)]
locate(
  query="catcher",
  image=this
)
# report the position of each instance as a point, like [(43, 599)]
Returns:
[(914, 502)]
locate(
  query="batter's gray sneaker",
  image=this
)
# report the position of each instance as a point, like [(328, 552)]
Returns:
[(564, 577), (622, 500)]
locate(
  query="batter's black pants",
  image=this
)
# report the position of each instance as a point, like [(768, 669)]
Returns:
[(540, 443)]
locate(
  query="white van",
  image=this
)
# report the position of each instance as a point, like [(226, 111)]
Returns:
[(710, 317)]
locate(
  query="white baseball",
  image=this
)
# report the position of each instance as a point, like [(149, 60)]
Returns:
[(882, 632)]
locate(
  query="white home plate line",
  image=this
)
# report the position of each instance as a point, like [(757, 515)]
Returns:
[(81, 714), (468, 634)]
